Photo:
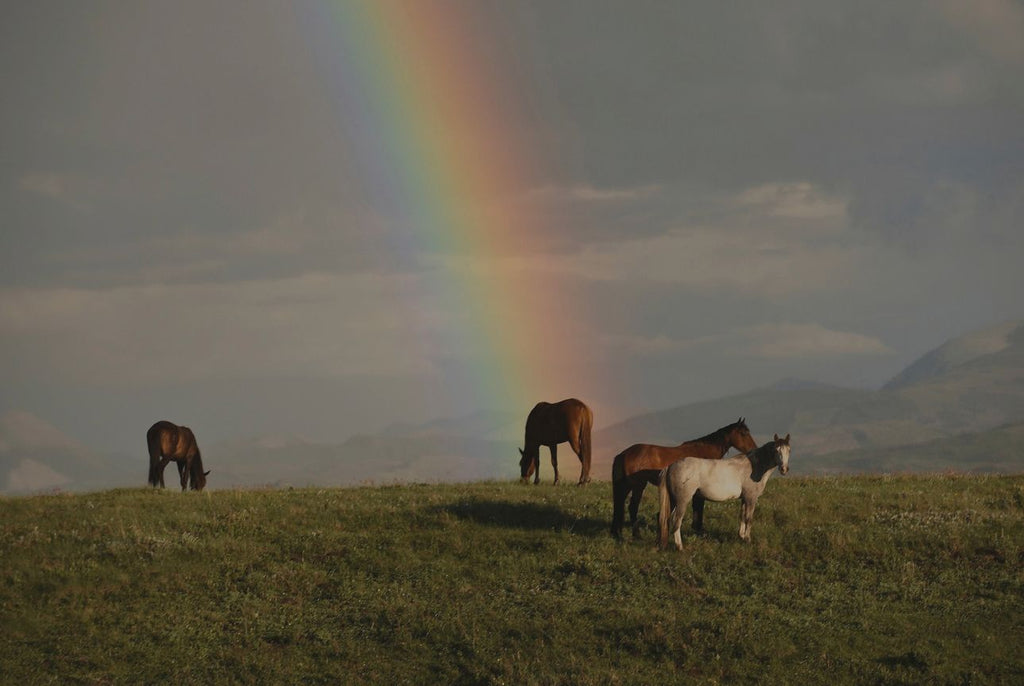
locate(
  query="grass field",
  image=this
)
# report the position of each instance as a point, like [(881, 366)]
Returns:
[(848, 580)]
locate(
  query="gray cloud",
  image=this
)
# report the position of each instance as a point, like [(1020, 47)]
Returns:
[(843, 178), (152, 334), (771, 340)]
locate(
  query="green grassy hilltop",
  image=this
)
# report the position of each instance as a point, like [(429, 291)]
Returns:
[(848, 580)]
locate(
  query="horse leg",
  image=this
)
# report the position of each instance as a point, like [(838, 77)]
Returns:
[(154, 477), (554, 460), (620, 489), (160, 469), (184, 469), (746, 519), (634, 507), (580, 448), (698, 512), (676, 518)]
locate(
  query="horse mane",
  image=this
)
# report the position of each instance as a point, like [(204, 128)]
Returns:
[(718, 435)]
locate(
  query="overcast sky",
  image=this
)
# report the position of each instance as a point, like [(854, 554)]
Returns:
[(732, 194)]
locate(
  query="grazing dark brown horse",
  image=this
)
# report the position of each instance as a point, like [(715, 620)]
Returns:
[(641, 463), (166, 442), (553, 423)]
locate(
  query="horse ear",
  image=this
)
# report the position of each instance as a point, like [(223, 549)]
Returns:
[(787, 438), (207, 472), (522, 453), (776, 438)]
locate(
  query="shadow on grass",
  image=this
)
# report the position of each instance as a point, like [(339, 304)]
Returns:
[(525, 516), (907, 661)]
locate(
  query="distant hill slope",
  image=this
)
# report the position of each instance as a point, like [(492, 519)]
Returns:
[(999, 450), (37, 456), (965, 398), (978, 393), (958, 352), (968, 385), (821, 421)]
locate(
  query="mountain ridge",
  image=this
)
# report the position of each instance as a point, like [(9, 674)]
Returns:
[(968, 386), (957, 352)]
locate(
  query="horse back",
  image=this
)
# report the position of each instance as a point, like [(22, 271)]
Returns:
[(644, 457), (171, 440), (551, 423), (577, 417), (717, 480), (160, 428)]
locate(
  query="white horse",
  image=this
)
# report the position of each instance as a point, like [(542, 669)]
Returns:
[(743, 476)]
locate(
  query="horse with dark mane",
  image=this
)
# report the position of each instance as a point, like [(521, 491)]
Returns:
[(169, 442), (553, 423), (742, 476), (641, 463)]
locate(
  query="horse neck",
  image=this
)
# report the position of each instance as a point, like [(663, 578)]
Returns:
[(718, 441), (761, 462)]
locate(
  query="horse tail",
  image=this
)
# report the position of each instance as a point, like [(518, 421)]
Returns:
[(665, 499), (586, 427), (153, 444)]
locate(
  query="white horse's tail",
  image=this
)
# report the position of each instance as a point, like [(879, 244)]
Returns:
[(666, 508)]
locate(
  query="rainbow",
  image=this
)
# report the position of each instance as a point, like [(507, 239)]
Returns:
[(431, 126)]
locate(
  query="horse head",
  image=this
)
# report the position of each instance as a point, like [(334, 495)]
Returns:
[(198, 475), (740, 438), (782, 453)]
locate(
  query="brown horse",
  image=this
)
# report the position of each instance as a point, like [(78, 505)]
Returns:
[(640, 464), (166, 442), (553, 423)]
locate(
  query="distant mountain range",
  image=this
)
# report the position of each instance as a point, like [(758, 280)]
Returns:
[(959, 407), (967, 386), (37, 456)]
